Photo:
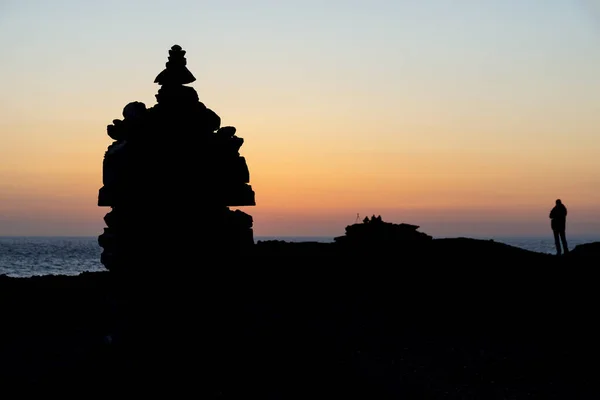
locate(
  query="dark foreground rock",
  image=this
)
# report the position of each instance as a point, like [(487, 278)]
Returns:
[(453, 319), (173, 165)]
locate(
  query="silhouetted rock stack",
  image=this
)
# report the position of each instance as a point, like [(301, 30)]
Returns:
[(170, 177), (375, 232)]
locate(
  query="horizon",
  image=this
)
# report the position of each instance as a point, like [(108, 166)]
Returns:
[(467, 120), (576, 237)]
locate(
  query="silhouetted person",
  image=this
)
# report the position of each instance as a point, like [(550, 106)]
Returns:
[(558, 217)]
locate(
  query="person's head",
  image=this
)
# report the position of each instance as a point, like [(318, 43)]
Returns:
[(558, 202)]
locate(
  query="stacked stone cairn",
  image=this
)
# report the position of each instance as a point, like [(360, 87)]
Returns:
[(170, 178)]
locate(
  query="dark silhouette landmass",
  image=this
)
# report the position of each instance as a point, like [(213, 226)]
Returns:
[(452, 318), (191, 307)]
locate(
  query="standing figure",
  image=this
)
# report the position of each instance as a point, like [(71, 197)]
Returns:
[(558, 218)]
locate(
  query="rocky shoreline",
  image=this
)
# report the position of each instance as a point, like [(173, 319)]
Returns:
[(450, 318)]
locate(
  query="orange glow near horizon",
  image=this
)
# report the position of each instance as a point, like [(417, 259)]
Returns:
[(298, 178)]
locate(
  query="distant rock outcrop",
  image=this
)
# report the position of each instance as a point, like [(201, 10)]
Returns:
[(375, 232), (170, 177)]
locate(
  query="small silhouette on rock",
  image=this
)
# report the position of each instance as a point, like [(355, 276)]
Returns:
[(375, 232)]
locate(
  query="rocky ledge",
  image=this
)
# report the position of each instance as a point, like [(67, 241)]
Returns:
[(420, 318)]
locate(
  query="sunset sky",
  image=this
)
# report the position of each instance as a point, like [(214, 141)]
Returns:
[(465, 117)]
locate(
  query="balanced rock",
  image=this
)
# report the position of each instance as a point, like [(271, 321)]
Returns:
[(169, 177)]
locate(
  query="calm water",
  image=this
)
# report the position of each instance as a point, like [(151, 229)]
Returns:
[(27, 256)]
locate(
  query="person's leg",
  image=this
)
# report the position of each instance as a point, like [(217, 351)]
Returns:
[(557, 243), (563, 238)]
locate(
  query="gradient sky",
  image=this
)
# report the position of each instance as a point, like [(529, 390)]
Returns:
[(465, 117)]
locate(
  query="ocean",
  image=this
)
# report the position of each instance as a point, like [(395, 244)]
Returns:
[(28, 256)]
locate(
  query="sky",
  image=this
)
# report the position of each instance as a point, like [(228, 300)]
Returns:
[(465, 117)]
